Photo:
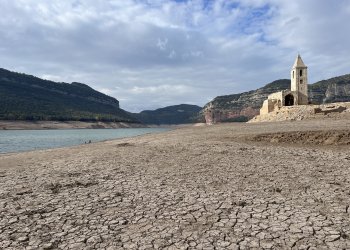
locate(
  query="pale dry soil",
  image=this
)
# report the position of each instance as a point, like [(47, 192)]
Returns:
[(190, 188)]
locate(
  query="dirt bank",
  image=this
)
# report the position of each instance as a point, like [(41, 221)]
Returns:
[(335, 138)]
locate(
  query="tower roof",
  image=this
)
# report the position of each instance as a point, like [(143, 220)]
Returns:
[(299, 62)]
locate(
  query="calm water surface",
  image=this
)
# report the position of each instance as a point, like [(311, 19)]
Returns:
[(27, 140)]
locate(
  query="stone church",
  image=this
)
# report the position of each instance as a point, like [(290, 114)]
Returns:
[(297, 95)]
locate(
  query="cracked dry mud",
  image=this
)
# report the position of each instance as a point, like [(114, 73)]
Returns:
[(191, 188)]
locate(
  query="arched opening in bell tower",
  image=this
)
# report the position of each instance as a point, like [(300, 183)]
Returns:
[(289, 100)]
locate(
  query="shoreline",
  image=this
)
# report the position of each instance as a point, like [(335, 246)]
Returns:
[(48, 125), (43, 125)]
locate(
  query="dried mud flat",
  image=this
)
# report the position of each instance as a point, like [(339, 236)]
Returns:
[(191, 188)]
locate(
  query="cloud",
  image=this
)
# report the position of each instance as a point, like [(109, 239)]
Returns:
[(152, 53)]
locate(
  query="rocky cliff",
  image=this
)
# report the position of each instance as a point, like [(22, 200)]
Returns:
[(335, 89), (244, 106), (240, 107)]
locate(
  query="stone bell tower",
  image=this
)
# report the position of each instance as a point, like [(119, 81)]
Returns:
[(299, 81)]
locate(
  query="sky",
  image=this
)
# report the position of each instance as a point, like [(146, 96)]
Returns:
[(154, 53)]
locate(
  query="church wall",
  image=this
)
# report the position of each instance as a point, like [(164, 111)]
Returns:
[(276, 96), (268, 106)]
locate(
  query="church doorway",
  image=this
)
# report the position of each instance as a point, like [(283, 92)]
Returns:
[(289, 100)]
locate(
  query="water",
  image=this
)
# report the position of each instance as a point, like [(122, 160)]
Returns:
[(27, 140)]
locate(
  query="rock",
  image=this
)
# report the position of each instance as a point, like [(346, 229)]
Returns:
[(49, 245), (22, 239), (93, 240), (77, 246), (266, 244), (333, 237)]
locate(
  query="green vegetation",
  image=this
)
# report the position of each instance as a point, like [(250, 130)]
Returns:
[(25, 97), (241, 118), (178, 114)]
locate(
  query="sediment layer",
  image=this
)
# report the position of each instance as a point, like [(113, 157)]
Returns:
[(37, 125)]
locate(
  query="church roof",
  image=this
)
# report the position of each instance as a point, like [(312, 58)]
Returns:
[(299, 62)]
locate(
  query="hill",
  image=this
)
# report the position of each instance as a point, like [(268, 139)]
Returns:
[(26, 97), (244, 106), (178, 114)]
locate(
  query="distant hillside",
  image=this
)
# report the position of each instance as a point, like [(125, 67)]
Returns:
[(25, 97), (244, 106), (178, 114)]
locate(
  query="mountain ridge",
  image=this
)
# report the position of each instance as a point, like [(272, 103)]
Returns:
[(27, 97), (244, 106)]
